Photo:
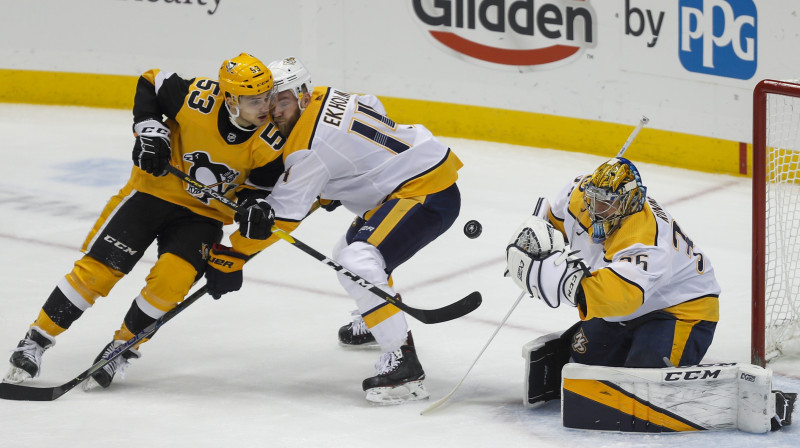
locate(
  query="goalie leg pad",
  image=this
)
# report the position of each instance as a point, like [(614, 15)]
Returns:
[(544, 358), (693, 398)]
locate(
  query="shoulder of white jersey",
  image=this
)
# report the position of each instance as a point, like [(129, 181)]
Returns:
[(561, 205), (373, 102), (319, 93), (637, 230), (302, 135), (295, 157), (658, 210)]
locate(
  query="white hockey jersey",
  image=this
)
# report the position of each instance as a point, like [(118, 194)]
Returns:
[(344, 148), (647, 264)]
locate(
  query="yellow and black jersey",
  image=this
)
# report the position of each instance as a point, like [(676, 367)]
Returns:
[(647, 264), (205, 144), (345, 148)]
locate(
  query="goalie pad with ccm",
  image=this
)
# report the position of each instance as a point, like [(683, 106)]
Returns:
[(674, 399)]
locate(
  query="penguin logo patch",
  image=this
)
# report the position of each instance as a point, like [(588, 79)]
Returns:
[(217, 176)]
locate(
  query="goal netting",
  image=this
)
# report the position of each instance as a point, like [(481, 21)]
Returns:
[(776, 221)]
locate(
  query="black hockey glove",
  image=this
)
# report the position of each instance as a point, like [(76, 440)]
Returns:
[(246, 198), (256, 221), (224, 271), (151, 152)]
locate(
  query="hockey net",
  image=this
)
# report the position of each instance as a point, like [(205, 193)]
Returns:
[(776, 221)]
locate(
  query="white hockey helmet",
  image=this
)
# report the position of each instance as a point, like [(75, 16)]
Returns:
[(291, 74)]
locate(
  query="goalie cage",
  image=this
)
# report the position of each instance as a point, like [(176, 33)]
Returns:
[(776, 221)]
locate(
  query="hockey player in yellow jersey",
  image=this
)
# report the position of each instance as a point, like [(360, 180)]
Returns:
[(398, 180), (217, 130), (646, 293)]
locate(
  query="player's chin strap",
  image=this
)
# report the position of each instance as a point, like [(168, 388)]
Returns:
[(452, 311), (232, 116)]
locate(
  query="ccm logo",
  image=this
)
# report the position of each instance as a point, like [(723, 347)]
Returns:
[(150, 130), (691, 375), (517, 33), (119, 245), (571, 283)]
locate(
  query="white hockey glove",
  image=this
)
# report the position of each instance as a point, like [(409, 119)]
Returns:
[(537, 237), (540, 262), (151, 151), (553, 278)]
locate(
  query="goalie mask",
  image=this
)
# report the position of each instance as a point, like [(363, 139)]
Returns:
[(244, 75), (290, 74), (614, 191)]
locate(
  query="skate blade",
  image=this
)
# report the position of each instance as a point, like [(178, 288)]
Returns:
[(367, 346), (16, 375), (411, 391)]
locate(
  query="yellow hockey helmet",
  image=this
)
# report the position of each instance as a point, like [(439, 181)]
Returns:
[(614, 191), (244, 75)]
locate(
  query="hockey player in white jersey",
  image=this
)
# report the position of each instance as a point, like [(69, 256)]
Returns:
[(398, 180), (648, 303), (646, 293)]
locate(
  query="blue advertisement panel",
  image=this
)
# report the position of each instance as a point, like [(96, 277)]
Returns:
[(719, 37)]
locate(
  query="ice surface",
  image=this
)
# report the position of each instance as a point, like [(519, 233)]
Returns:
[(262, 367)]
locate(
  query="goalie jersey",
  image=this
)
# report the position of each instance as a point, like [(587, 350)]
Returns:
[(215, 152), (344, 148), (646, 265)]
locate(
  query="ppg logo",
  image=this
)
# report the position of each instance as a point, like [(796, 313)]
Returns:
[(719, 37)]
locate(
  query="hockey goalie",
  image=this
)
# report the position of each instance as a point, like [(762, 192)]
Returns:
[(647, 299)]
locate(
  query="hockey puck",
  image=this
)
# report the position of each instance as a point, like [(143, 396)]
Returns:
[(473, 229)]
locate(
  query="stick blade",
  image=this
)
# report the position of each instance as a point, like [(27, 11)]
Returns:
[(19, 392), (453, 311), (438, 403)]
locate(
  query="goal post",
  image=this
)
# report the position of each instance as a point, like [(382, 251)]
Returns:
[(775, 321)]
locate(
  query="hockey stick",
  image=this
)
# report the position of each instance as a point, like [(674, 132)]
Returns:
[(447, 397), (633, 135), (22, 392), (452, 311)]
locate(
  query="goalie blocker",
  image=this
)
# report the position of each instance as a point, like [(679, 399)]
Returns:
[(673, 399)]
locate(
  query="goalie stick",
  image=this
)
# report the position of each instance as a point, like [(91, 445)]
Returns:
[(22, 392), (633, 135), (452, 311), (442, 400), (541, 208)]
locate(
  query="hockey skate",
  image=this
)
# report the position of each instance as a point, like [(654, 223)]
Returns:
[(27, 357), (784, 406), (356, 334), (103, 377), (399, 378)]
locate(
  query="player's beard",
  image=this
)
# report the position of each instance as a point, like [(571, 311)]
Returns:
[(287, 126)]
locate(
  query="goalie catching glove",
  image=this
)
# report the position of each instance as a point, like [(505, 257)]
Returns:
[(224, 271), (151, 151), (540, 262)]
